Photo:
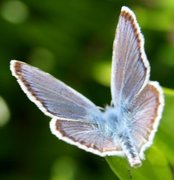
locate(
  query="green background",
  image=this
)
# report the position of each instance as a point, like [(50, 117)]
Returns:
[(72, 39)]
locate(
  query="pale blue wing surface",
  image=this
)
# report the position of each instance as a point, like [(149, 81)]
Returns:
[(145, 113), (86, 136), (130, 68), (52, 96)]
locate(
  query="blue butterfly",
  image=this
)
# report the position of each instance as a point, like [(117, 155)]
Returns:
[(127, 127)]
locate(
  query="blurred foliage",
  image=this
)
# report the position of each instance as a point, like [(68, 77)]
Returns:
[(73, 41), (4, 112)]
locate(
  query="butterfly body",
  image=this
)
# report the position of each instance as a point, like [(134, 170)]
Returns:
[(113, 123), (128, 126), (117, 126)]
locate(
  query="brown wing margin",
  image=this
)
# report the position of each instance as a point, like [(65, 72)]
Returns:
[(147, 109)]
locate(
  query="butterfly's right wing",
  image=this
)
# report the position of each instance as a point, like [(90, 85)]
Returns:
[(132, 92), (145, 112), (130, 68), (75, 119)]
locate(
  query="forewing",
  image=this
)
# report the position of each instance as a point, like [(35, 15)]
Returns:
[(86, 136), (130, 68), (52, 96), (146, 112)]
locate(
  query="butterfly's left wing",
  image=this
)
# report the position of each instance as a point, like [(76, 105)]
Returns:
[(53, 97), (75, 119), (86, 136)]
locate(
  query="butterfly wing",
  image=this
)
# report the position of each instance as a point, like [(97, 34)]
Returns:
[(146, 113), (52, 96), (86, 136), (75, 119), (130, 68)]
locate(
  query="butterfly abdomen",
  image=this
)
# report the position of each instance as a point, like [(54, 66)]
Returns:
[(128, 147)]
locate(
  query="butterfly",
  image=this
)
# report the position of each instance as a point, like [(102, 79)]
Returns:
[(126, 127)]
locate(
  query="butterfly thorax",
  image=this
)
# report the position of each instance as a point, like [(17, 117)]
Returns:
[(115, 121)]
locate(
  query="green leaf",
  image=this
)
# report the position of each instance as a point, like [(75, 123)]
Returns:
[(165, 138), (158, 157)]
